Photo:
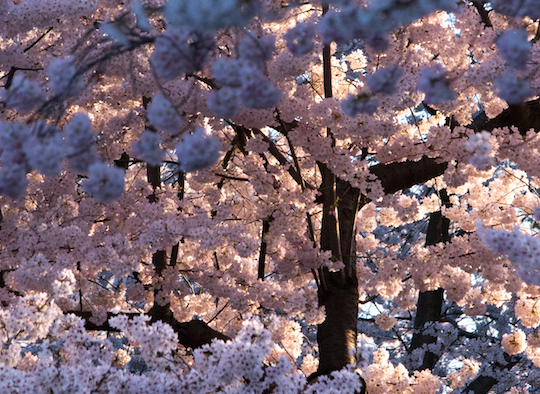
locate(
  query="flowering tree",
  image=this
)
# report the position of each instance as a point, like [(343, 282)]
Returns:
[(269, 196)]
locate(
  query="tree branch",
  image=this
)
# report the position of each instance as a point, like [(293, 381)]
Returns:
[(262, 251), (282, 160), (484, 14), (192, 334), (402, 175)]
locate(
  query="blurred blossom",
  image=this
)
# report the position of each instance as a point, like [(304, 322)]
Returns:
[(163, 115), (80, 143), (513, 90), (180, 51), (434, 83), (519, 8), (63, 78), (223, 102), (384, 80), (142, 20), (13, 182), (210, 15), (23, 95), (481, 147), (104, 182), (355, 105), (515, 48), (300, 38), (229, 72), (148, 149), (260, 93), (257, 50), (197, 151), (44, 148)]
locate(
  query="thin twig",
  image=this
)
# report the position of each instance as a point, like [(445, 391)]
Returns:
[(38, 40)]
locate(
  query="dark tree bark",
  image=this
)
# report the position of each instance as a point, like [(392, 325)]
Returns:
[(429, 304), (192, 334), (428, 309), (338, 291), (483, 384), (404, 174)]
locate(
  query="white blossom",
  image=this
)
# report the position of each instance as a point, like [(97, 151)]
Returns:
[(64, 285), (434, 83), (44, 148), (197, 151), (163, 115), (23, 95), (80, 143), (223, 102), (515, 48), (104, 182), (148, 149), (63, 78)]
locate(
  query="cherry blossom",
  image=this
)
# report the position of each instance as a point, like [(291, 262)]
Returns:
[(163, 115), (63, 77), (148, 149), (23, 95), (269, 197), (104, 182), (512, 89), (435, 84), (197, 151), (300, 39), (515, 48)]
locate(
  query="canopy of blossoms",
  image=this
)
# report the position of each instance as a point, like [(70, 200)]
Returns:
[(268, 196)]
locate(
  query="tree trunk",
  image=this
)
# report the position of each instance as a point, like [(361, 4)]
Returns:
[(338, 291), (429, 304)]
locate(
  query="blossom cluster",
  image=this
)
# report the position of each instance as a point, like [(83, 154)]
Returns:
[(60, 249), (197, 150), (517, 8), (104, 182), (242, 79), (514, 343), (371, 24), (148, 149), (479, 145), (512, 89), (23, 95), (521, 249), (180, 51), (63, 77), (384, 79), (80, 148), (515, 48), (434, 83), (44, 146), (210, 15), (162, 115), (299, 39), (355, 105)]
